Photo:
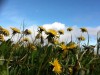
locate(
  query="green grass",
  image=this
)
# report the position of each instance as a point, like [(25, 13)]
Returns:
[(21, 58)]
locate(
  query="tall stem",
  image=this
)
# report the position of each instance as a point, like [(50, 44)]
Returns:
[(88, 38), (71, 36), (97, 43)]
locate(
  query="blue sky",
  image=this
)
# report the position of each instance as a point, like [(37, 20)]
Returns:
[(79, 13), (69, 12)]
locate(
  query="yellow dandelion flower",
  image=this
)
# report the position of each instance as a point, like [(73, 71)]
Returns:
[(63, 47), (51, 32), (70, 68), (42, 28), (56, 66), (69, 29), (33, 47), (5, 32), (83, 29), (1, 38), (81, 38), (56, 41), (61, 31), (25, 39), (27, 32), (15, 30), (72, 46)]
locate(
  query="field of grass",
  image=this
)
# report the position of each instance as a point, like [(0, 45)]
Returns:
[(54, 58)]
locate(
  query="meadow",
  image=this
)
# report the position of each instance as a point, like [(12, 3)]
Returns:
[(46, 58)]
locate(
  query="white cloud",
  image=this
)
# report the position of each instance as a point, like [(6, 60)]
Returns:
[(66, 37), (55, 25), (93, 31)]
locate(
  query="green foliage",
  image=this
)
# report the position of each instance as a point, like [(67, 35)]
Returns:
[(33, 58)]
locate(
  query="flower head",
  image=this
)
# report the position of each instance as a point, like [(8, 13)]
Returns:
[(1, 38), (70, 68), (61, 32), (81, 38), (72, 46), (51, 32), (69, 29), (27, 32), (33, 47), (41, 28), (15, 30), (63, 47), (56, 66), (5, 32), (83, 29), (25, 39)]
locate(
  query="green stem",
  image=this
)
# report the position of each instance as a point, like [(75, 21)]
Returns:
[(8, 63), (38, 73), (98, 43), (88, 38), (71, 36)]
